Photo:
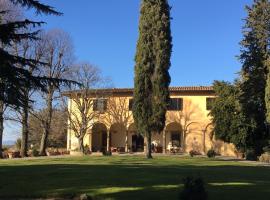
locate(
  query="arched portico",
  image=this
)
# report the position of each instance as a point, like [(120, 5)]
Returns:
[(173, 137), (99, 137), (135, 140), (118, 137)]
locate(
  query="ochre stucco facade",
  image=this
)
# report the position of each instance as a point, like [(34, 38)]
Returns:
[(187, 128)]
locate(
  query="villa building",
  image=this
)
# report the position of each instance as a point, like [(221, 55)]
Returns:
[(188, 124)]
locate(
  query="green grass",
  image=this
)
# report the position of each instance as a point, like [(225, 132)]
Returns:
[(130, 177)]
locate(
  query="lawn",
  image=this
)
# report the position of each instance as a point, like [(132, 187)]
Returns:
[(130, 177)]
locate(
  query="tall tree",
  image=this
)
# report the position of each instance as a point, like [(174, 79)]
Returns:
[(80, 104), (58, 54), (10, 16), (30, 50), (152, 79), (254, 56)]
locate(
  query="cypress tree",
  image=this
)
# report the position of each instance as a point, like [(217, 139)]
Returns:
[(152, 79), (254, 55)]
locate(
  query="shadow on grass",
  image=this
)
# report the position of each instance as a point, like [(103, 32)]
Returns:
[(134, 180)]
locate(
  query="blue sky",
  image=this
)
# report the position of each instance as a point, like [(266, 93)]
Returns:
[(206, 36), (205, 33)]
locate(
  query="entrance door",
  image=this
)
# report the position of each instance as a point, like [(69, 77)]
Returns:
[(137, 143)]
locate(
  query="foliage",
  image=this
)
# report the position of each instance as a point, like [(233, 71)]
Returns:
[(106, 153), (87, 149), (12, 76), (265, 158), (229, 121), (255, 65), (152, 79), (35, 152), (267, 148), (211, 153), (194, 189), (251, 155)]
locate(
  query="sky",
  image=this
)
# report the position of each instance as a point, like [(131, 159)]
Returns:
[(206, 36)]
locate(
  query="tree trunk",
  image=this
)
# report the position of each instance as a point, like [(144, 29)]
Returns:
[(1, 126), (25, 129), (43, 142), (47, 123), (81, 146), (126, 142), (148, 146), (184, 141)]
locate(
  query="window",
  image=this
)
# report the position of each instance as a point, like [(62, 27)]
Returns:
[(209, 103), (176, 104), (100, 105), (175, 138), (130, 104)]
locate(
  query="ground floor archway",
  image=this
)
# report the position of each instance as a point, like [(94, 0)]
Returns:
[(135, 139), (99, 137), (173, 138), (118, 134)]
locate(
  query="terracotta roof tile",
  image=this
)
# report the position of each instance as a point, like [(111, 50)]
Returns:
[(172, 89)]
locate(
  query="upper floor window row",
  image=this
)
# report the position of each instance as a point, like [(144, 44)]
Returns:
[(100, 105), (174, 104)]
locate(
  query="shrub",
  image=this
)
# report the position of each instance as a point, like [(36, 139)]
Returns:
[(211, 153), (193, 189), (107, 153), (251, 155), (194, 153), (267, 148), (87, 150), (35, 153), (265, 158)]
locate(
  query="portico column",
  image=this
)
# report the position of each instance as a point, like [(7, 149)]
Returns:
[(164, 142), (204, 149), (108, 141), (126, 142)]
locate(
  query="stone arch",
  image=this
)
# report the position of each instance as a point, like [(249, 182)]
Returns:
[(118, 137), (207, 138), (99, 137), (173, 137), (135, 139)]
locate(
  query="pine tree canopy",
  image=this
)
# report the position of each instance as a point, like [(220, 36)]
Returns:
[(39, 7), (12, 75), (152, 79)]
